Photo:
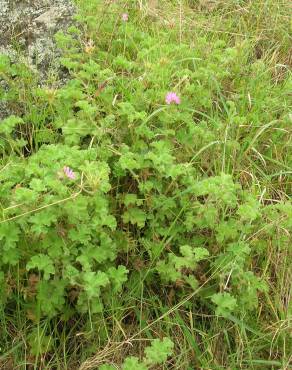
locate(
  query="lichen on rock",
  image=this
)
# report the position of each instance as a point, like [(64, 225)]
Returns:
[(31, 25), (27, 29)]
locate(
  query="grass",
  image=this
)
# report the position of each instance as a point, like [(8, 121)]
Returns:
[(230, 62)]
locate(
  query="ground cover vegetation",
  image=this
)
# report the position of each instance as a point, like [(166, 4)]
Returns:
[(146, 211)]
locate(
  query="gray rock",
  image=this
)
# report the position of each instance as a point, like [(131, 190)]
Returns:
[(27, 29), (31, 24), (49, 18)]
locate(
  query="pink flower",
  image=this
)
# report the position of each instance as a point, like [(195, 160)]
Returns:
[(171, 97), (125, 17), (69, 173)]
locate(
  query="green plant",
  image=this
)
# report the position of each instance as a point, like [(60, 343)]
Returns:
[(124, 217)]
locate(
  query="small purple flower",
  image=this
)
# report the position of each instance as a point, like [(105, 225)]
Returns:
[(125, 17), (69, 173), (171, 97)]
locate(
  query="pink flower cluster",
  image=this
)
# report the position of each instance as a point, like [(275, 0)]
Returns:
[(125, 17), (172, 97), (69, 173)]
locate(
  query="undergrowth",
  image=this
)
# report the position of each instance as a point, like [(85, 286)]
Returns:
[(138, 232)]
